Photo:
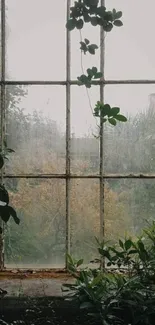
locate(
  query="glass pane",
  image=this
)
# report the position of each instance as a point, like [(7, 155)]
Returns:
[(130, 51), (36, 39), (39, 240), (85, 218), (84, 128), (79, 64), (129, 206), (129, 147), (36, 129)]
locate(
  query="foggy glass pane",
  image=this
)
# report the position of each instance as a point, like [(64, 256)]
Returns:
[(36, 39), (130, 50), (129, 207), (39, 239), (84, 130), (36, 129), (130, 147), (85, 218)]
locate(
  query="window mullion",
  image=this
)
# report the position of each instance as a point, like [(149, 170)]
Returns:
[(68, 91), (3, 37), (102, 63)]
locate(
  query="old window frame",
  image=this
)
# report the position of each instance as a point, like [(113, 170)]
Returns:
[(68, 83)]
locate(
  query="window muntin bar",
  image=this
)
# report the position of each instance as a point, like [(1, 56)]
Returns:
[(68, 68), (2, 114)]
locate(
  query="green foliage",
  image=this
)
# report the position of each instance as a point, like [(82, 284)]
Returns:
[(123, 298), (86, 47), (89, 11), (6, 211), (92, 74), (108, 113)]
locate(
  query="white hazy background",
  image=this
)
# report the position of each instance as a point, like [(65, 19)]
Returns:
[(36, 50)]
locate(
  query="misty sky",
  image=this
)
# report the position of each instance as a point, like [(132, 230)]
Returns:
[(36, 50)]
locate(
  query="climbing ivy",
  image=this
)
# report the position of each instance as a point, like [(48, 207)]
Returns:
[(89, 11)]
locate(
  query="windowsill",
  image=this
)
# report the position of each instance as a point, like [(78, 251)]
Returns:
[(34, 283)]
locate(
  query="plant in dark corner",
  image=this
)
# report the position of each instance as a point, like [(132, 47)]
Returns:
[(123, 294)]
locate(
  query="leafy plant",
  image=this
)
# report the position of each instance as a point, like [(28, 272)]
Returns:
[(126, 297), (89, 11), (6, 211), (108, 113)]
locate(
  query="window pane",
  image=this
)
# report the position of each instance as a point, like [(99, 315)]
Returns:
[(130, 147), (130, 50), (39, 240), (129, 206), (85, 218), (36, 129), (36, 39), (84, 145)]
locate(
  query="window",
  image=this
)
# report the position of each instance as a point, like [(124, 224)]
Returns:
[(66, 184)]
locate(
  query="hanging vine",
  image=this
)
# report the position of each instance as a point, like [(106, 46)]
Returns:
[(89, 11)]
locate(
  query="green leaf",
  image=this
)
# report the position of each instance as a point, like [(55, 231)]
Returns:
[(128, 244), (93, 46), (86, 17), (141, 246), (4, 196), (94, 21), (1, 161), (118, 23), (114, 12), (13, 213), (83, 78), (132, 251), (101, 11), (118, 15), (90, 72), (115, 110), (71, 24), (94, 2), (91, 50), (108, 27), (94, 70), (4, 213), (105, 110), (112, 121), (86, 41), (121, 243), (79, 24), (98, 75), (69, 259), (121, 118), (80, 262), (104, 120), (83, 47)]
